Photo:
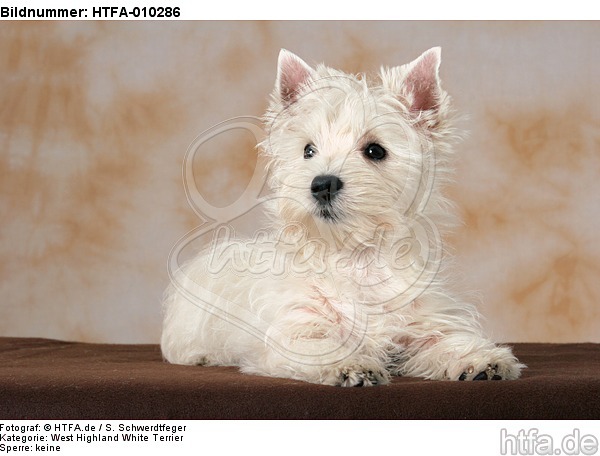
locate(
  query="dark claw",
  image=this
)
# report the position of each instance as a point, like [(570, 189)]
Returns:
[(360, 383), (481, 376), (496, 377), (462, 376)]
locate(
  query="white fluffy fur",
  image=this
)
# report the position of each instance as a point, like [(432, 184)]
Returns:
[(345, 305)]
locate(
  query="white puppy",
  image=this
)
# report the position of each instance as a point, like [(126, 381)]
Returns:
[(346, 287)]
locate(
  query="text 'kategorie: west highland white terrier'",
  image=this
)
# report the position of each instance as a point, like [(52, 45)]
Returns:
[(356, 167)]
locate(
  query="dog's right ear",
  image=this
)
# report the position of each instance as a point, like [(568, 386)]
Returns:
[(292, 74)]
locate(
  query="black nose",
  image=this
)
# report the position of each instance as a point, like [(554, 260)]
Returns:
[(324, 188)]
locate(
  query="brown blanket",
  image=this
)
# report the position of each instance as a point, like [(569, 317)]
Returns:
[(48, 379)]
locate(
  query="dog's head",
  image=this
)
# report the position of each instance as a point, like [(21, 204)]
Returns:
[(353, 153)]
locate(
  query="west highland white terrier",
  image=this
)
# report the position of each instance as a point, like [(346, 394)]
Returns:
[(355, 289)]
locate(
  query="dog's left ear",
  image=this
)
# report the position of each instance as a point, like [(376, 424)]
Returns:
[(292, 74), (418, 84)]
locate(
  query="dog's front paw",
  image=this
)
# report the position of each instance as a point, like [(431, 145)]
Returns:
[(497, 364), (356, 375), (490, 373)]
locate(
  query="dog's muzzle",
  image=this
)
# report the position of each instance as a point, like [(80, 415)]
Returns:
[(324, 188)]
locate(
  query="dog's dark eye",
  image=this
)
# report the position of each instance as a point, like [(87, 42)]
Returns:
[(309, 151), (375, 152)]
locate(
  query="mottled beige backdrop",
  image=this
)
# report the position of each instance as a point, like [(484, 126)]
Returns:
[(95, 119)]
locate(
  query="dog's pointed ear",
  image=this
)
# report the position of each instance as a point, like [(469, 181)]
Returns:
[(292, 74), (422, 82), (418, 83)]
